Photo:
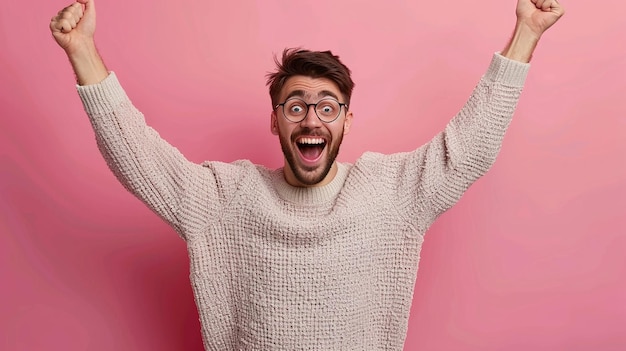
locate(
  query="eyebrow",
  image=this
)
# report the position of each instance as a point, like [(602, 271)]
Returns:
[(304, 94)]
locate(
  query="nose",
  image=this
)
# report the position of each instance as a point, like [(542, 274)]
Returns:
[(311, 120)]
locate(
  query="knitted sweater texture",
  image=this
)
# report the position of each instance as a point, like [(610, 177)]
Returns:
[(275, 267)]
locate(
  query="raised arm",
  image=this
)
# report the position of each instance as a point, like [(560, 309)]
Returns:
[(470, 143), (466, 149), (150, 168)]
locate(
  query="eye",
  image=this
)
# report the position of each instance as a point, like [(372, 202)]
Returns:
[(296, 109), (327, 108)]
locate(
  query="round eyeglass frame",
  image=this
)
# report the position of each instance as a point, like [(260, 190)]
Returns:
[(308, 106)]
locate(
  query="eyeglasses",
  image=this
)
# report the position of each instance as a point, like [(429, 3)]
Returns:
[(296, 109)]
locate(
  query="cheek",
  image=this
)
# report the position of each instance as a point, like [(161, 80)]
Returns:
[(284, 131), (338, 132)]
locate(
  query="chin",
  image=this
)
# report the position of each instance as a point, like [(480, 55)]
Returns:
[(311, 178)]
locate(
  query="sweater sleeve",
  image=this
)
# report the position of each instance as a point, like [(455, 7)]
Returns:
[(431, 179), (145, 164), (470, 143)]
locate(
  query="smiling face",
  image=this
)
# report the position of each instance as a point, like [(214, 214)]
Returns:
[(310, 146)]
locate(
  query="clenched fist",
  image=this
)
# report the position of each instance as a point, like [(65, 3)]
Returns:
[(75, 25), (538, 15)]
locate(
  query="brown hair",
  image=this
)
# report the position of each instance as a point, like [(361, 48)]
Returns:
[(314, 64)]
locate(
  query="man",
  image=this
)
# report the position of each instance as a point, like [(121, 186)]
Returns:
[(319, 254)]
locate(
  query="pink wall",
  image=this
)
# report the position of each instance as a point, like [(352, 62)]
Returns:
[(532, 258)]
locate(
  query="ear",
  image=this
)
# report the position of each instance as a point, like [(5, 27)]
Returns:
[(347, 122), (274, 123)]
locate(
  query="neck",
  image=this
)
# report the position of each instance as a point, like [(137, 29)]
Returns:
[(291, 179), (310, 195)]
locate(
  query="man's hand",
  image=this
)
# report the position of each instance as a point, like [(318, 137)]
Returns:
[(75, 25), (73, 29), (538, 15), (534, 17)]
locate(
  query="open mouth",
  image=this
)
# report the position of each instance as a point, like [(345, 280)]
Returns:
[(311, 148)]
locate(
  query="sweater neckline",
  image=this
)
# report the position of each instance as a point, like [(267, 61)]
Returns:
[(310, 195)]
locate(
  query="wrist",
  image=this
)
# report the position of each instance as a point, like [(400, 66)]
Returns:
[(522, 43), (87, 63)]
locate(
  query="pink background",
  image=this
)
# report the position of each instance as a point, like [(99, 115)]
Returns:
[(532, 258)]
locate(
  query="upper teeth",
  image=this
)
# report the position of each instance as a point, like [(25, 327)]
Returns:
[(311, 141)]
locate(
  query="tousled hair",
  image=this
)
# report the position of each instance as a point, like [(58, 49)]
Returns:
[(314, 64)]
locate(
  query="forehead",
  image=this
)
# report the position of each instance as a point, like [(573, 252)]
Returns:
[(309, 88)]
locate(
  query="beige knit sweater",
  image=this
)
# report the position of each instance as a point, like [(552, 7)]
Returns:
[(275, 267)]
